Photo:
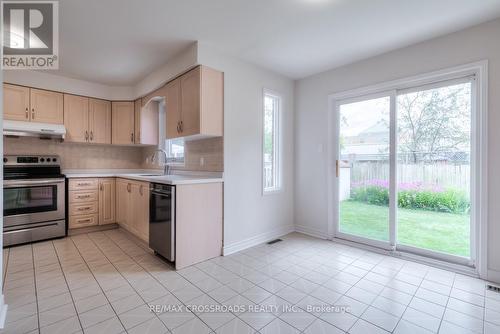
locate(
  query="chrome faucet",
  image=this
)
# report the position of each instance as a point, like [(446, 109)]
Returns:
[(166, 160)]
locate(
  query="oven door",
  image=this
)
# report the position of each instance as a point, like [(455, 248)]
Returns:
[(33, 201)]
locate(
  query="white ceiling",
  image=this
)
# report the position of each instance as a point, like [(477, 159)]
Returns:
[(119, 42)]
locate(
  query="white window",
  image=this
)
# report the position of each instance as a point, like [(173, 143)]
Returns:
[(175, 150), (271, 143)]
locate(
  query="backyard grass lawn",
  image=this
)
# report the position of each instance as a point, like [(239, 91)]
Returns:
[(439, 231)]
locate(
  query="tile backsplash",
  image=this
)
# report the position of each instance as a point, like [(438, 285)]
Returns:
[(87, 156), (210, 150), (78, 156)]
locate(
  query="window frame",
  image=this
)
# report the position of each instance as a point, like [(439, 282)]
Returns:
[(175, 161), (277, 140)]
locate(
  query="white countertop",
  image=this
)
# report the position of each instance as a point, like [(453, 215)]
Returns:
[(154, 176)]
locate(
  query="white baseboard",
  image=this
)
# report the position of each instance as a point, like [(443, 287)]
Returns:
[(493, 276), (3, 311), (257, 240), (313, 232)]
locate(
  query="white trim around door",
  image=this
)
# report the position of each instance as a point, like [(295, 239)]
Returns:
[(479, 161)]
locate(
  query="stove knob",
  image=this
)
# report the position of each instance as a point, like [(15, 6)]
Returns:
[(5, 160), (42, 160), (54, 160)]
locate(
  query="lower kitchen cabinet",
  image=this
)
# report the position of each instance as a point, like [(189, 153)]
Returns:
[(198, 235), (91, 202), (132, 207), (106, 201)]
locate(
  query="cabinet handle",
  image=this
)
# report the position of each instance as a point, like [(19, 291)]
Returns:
[(128, 187), (91, 135), (33, 113), (132, 137), (140, 190), (86, 135), (83, 183), (178, 127), (83, 196), (182, 126), (101, 187), (27, 113), (85, 220), (85, 208)]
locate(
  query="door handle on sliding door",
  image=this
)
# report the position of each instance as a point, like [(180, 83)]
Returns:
[(337, 168)]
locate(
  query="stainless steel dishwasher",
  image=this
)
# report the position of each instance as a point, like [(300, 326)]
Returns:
[(162, 220)]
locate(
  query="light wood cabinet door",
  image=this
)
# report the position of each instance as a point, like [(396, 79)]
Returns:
[(99, 121), (122, 201), (122, 123), (46, 106), (147, 124), (173, 108), (137, 121), (76, 118), (16, 103), (106, 201), (140, 209), (190, 102), (212, 102)]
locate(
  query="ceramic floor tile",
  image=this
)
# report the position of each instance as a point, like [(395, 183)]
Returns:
[(256, 294), (107, 273), (341, 320), (57, 314), (194, 326), (405, 327), (380, 318), (290, 294), (427, 307), (463, 320), (467, 308), (298, 319), (67, 326), (257, 320), (153, 326), (215, 320), (449, 328), (322, 327), (422, 319), (235, 326), (279, 326), (362, 327)]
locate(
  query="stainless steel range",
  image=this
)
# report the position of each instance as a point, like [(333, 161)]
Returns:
[(33, 199)]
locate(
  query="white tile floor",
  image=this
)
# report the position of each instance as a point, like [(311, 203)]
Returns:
[(105, 283)]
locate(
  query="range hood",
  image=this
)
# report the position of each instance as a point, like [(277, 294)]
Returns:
[(33, 129)]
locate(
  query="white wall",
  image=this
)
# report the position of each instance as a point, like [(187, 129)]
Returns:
[(249, 217), (474, 44), (47, 80)]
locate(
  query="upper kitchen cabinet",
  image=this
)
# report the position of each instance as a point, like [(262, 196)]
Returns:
[(146, 122), (76, 118), (16, 102), (196, 105), (46, 106), (87, 120), (122, 130), (99, 121), (30, 104)]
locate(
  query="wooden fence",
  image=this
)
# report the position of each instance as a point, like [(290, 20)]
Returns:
[(438, 173)]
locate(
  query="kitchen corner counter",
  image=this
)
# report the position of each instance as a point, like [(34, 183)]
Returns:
[(148, 176)]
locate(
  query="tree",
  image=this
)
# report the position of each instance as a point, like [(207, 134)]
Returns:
[(434, 122)]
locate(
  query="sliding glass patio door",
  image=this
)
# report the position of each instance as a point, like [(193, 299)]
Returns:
[(403, 170), (364, 135)]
